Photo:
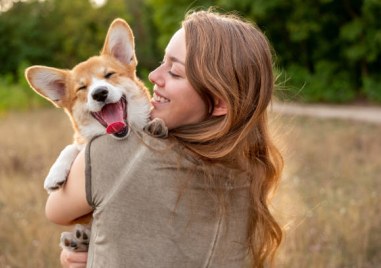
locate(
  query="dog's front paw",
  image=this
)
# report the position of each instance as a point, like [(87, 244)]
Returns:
[(56, 178), (156, 128), (76, 240), (60, 169)]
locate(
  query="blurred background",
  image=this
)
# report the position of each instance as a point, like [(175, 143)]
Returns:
[(326, 52)]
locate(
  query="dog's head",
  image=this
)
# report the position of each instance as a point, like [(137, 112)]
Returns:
[(102, 94)]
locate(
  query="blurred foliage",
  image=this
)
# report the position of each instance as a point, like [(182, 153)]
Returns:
[(326, 50), (15, 95), (169, 14)]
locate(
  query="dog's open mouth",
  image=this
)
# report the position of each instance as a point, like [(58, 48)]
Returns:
[(113, 117)]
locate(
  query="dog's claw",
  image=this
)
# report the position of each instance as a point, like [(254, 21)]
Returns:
[(52, 184)]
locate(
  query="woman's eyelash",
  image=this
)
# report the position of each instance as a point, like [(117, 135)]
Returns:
[(169, 72), (173, 75)]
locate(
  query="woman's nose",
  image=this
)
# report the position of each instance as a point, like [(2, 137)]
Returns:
[(156, 78)]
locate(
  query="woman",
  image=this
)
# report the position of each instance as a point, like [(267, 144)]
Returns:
[(198, 198)]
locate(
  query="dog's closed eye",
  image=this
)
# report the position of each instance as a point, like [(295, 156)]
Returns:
[(81, 88), (109, 75)]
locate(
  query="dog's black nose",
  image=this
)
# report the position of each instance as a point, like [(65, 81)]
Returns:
[(100, 94)]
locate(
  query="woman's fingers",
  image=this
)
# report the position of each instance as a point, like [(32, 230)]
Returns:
[(71, 259)]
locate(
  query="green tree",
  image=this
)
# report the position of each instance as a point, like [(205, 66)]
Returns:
[(53, 32), (329, 50), (168, 14), (326, 50)]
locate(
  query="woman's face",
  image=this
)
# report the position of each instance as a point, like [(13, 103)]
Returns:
[(174, 99)]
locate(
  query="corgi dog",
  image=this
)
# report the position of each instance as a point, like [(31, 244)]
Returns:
[(101, 95)]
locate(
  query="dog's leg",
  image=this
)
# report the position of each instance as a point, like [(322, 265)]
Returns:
[(60, 169), (76, 240)]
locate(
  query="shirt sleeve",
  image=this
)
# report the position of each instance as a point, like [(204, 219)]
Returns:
[(88, 173)]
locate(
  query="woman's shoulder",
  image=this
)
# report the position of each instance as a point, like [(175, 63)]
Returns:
[(134, 139), (167, 152), (137, 140)]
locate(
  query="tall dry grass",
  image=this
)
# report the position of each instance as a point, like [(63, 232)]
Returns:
[(328, 201), (29, 143)]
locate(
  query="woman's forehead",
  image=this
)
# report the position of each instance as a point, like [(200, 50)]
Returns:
[(176, 47)]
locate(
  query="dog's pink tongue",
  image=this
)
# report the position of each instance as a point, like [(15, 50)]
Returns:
[(115, 127), (112, 114)]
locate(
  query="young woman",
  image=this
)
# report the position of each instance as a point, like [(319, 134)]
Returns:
[(198, 198)]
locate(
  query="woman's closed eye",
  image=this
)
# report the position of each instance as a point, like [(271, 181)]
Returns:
[(168, 65), (174, 75)]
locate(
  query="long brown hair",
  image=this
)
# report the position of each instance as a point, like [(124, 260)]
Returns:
[(230, 59)]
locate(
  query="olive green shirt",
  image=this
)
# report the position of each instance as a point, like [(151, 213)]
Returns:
[(153, 207)]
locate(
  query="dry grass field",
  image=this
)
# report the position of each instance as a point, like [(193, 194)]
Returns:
[(29, 143), (328, 201)]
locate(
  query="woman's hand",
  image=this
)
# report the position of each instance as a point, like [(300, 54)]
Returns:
[(71, 259)]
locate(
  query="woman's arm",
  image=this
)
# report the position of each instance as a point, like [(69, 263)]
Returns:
[(69, 202)]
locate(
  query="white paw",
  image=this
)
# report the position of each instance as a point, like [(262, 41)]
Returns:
[(56, 177), (60, 169)]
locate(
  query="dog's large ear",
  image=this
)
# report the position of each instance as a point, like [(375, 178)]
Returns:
[(119, 42), (48, 82)]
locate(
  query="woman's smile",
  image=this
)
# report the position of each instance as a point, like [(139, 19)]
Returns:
[(157, 98)]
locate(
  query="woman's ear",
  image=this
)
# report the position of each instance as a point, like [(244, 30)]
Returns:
[(220, 108)]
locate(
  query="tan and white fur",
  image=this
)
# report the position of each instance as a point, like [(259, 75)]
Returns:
[(95, 88)]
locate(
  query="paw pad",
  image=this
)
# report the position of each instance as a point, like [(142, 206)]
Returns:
[(76, 240)]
